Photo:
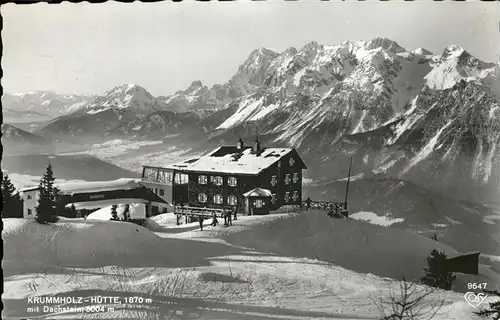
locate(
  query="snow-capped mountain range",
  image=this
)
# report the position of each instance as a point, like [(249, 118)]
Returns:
[(429, 118), (129, 96), (45, 103)]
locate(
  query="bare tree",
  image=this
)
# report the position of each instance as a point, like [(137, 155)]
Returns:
[(411, 301)]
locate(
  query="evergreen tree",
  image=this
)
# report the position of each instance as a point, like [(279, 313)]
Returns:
[(493, 310), (436, 274), (12, 204), (46, 211)]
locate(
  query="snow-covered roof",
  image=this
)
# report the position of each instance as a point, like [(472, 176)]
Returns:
[(104, 203), (94, 186), (227, 159), (258, 192), (29, 189)]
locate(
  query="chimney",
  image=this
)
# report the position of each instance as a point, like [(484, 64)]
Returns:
[(240, 144), (256, 146)]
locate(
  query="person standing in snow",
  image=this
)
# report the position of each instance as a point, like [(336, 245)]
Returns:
[(126, 213), (308, 203), (114, 213), (200, 220), (214, 220), (229, 218)]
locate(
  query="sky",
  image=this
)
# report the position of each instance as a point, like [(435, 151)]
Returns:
[(89, 48)]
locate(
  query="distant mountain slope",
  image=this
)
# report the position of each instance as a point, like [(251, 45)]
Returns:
[(29, 126), (121, 105), (69, 167), (14, 134), (463, 225), (22, 116), (45, 102), (18, 141), (83, 125), (159, 124)]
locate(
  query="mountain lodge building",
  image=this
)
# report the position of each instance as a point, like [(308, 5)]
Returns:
[(99, 194), (221, 178)]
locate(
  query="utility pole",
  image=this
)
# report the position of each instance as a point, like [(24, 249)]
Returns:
[(347, 187)]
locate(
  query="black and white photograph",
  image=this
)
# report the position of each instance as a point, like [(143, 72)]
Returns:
[(251, 160)]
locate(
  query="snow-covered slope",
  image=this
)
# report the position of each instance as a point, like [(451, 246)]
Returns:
[(455, 64), (310, 266)]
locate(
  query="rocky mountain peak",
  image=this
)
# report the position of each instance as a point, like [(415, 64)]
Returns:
[(422, 52), (453, 51), (385, 43), (311, 46)]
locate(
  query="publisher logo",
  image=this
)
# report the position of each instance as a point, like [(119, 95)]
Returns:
[(475, 300)]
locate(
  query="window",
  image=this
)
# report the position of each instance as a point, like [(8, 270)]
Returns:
[(181, 178), (150, 174), (232, 181), (218, 199), (155, 210), (273, 181), (162, 192), (273, 198), (258, 203), (295, 196), (168, 177), (30, 212), (156, 190), (218, 181), (287, 178), (232, 200), (202, 179), (164, 176), (291, 162), (96, 196), (29, 198), (295, 177), (202, 197), (287, 196)]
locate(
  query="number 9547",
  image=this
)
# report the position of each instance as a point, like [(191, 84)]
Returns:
[(476, 286)]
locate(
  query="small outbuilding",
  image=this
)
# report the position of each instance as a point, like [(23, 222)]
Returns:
[(467, 263), (257, 201)]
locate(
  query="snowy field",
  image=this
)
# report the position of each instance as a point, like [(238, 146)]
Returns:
[(283, 266), (132, 155), (373, 218)]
